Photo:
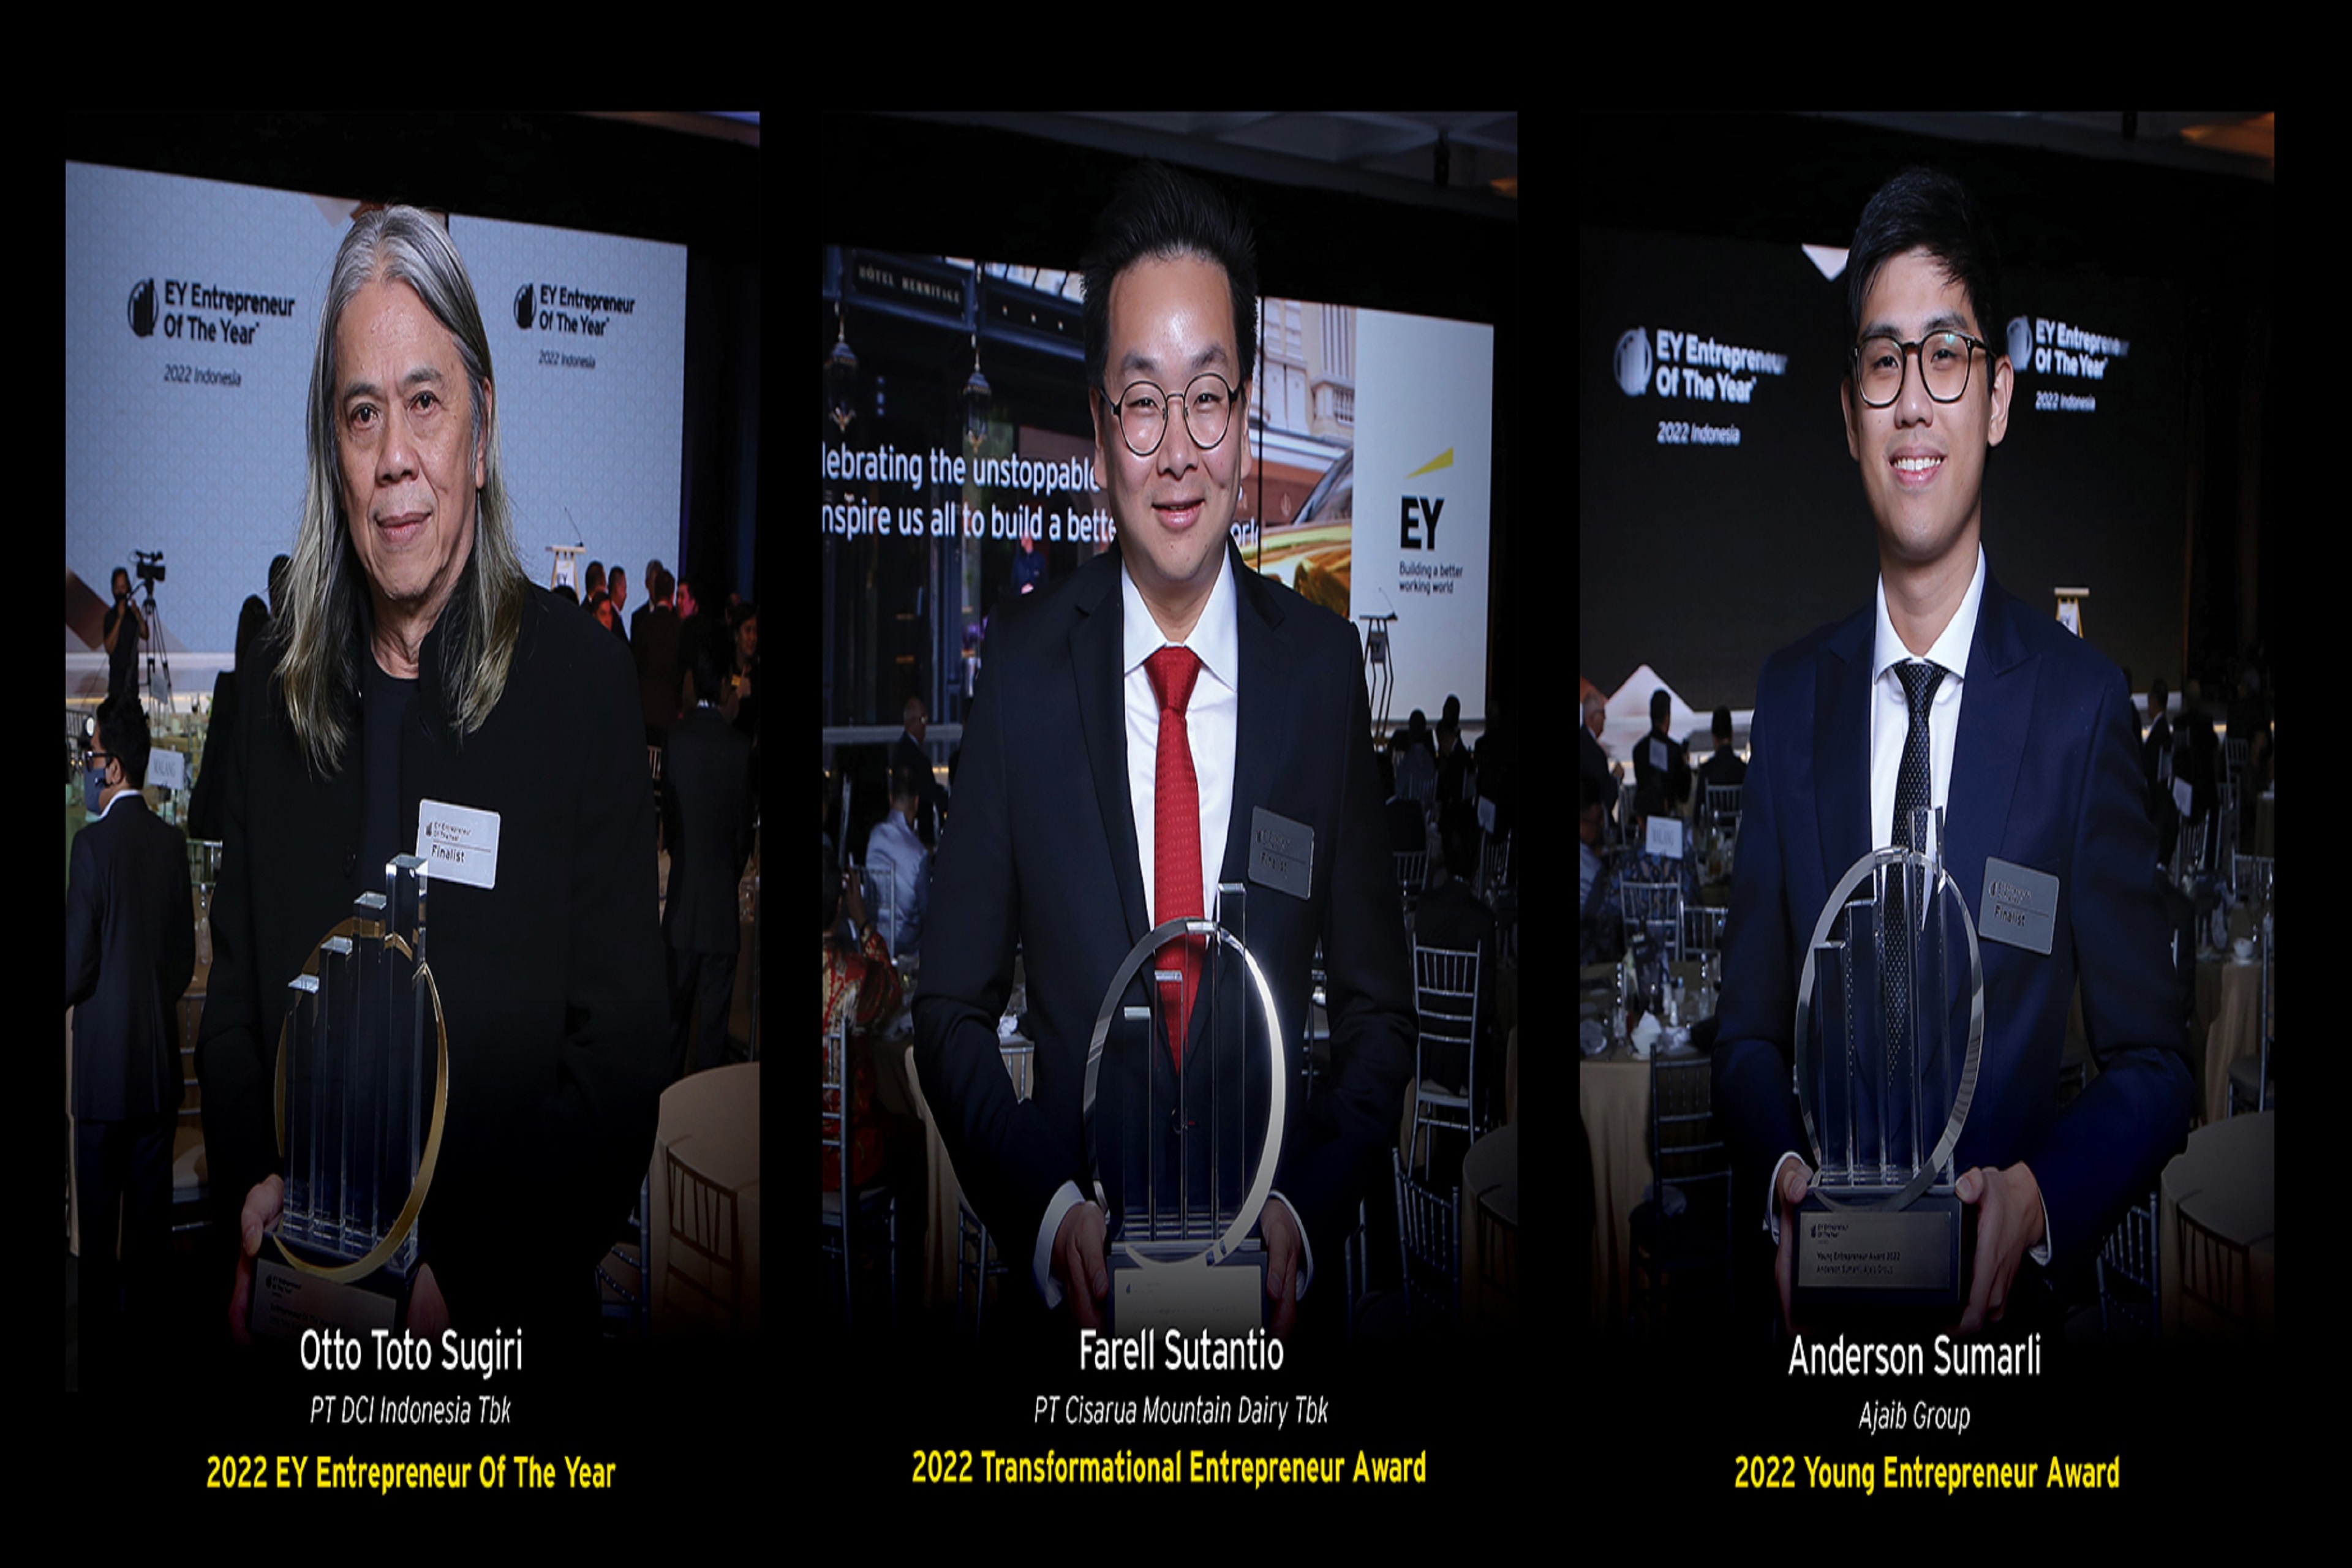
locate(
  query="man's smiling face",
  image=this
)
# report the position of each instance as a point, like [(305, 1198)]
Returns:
[(1923, 461), (1171, 319)]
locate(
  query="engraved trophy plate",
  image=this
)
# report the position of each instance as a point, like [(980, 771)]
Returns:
[(1175, 1181), (362, 1087), (1883, 1090)]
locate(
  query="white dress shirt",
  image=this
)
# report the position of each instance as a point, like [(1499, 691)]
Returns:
[(1211, 724), (1890, 709)]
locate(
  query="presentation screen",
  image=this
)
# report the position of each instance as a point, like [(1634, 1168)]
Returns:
[(192, 310), (1720, 513), (1372, 441)]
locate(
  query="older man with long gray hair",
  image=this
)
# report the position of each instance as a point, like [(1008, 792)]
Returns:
[(418, 681)]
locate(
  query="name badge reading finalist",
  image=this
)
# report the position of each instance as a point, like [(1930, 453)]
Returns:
[(458, 843), (2021, 906)]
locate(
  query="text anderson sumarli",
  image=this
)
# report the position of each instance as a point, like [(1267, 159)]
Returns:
[(1848, 1359)]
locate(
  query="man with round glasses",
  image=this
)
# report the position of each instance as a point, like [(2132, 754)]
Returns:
[(1951, 693), (1138, 723)]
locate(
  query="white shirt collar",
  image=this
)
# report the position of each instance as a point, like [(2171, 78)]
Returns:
[(1952, 647), (1215, 639)]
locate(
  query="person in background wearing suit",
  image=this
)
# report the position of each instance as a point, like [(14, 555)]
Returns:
[(908, 753), (1137, 721), (131, 948), (1725, 767), (616, 588), (638, 620), (1949, 693), (654, 641), (709, 807), (1662, 776)]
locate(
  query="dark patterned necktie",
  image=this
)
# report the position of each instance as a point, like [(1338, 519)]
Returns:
[(1912, 791)]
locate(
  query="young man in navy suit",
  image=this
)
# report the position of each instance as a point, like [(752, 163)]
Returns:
[(1065, 834), (2027, 739)]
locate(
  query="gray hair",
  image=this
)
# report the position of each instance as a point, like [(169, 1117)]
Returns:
[(325, 582)]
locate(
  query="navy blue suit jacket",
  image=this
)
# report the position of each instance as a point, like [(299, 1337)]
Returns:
[(2045, 774), (1041, 846)]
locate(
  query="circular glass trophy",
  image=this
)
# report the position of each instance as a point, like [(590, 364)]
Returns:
[(1170, 1142), (1882, 1084), (362, 1094)]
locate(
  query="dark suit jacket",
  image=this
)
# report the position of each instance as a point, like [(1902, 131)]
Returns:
[(654, 640), (131, 947), (906, 754), (1673, 786), (1045, 850), (552, 982), (204, 801), (708, 767), (2045, 774)]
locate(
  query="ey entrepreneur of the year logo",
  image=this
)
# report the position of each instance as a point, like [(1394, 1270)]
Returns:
[(1633, 362), (142, 308), (523, 307)]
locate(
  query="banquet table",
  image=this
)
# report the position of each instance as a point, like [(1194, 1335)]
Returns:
[(711, 1122), (2229, 1008), (1490, 1231), (2226, 1181), (1613, 1097)]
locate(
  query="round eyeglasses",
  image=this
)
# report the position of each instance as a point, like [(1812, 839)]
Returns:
[(1142, 412), (1881, 362)]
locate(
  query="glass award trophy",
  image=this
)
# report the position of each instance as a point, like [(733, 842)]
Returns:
[(362, 1087), (1171, 1150), (1884, 1085)]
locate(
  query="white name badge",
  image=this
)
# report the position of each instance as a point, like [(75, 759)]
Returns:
[(458, 843), (167, 769)]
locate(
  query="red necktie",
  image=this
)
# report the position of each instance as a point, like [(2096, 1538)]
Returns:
[(1176, 834)]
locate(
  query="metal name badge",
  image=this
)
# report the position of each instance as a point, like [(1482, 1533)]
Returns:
[(2020, 907), (1282, 854)]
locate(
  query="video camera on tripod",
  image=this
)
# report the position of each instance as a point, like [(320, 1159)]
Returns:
[(148, 565)]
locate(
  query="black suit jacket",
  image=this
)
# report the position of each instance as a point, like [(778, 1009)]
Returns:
[(131, 947), (708, 767), (654, 636), (1045, 850), (1673, 786), (552, 982)]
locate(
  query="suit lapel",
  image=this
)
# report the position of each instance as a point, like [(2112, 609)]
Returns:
[(1842, 747), (1096, 663), (1259, 732), (1996, 719)]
